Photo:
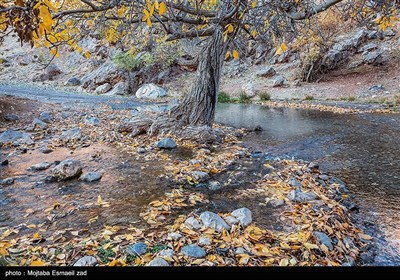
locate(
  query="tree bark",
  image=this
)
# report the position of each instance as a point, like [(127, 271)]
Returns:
[(198, 106)]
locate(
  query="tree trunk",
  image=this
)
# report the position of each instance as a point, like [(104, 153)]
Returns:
[(198, 107)]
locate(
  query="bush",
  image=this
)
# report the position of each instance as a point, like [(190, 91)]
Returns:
[(243, 98), (128, 61), (264, 96), (223, 97), (309, 97)]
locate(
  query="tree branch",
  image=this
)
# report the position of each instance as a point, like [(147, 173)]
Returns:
[(315, 9)]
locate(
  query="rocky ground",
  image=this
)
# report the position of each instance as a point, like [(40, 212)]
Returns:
[(77, 189)]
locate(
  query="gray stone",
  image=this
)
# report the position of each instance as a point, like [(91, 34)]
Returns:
[(91, 177), (103, 88), (355, 64), (373, 57), (342, 188), (243, 215), (174, 236), (192, 223), (248, 89), (204, 241), (86, 261), (93, 121), (40, 166), (137, 249), (313, 165), (150, 91), (166, 143), (295, 183), (141, 150), (214, 186), (45, 150), (266, 72), (11, 117), (72, 134), (67, 169), (73, 81), (279, 81), (369, 47), (38, 123), (276, 202), (300, 196), (16, 137), (231, 220), (377, 88), (7, 181), (120, 88), (193, 251), (324, 177), (106, 73), (212, 220), (166, 253), (46, 117), (240, 251), (158, 262), (200, 176), (323, 239)]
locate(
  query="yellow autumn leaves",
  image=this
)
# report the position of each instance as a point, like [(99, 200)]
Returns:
[(151, 7)]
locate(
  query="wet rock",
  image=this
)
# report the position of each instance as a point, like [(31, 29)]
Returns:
[(40, 166), (266, 72), (38, 123), (158, 262), (212, 220), (103, 88), (204, 241), (72, 134), (150, 91), (67, 169), (200, 176), (279, 81), (243, 215), (214, 186), (46, 117), (192, 223), (91, 177), (300, 196), (276, 202), (15, 137), (323, 239), (295, 183), (92, 121), (193, 251), (231, 220), (4, 162), (137, 249), (73, 81), (174, 236), (11, 117), (86, 261), (166, 143), (7, 181)]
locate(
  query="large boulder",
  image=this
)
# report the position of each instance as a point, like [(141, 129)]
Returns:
[(150, 91), (67, 169), (106, 73), (73, 81), (15, 137), (249, 89), (120, 88)]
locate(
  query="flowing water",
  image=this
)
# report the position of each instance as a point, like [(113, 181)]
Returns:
[(362, 149)]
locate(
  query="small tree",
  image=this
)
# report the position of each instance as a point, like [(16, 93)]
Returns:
[(216, 22)]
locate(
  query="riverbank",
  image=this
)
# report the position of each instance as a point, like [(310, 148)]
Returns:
[(158, 197)]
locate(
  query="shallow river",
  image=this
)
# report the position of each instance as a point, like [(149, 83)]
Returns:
[(362, 149)]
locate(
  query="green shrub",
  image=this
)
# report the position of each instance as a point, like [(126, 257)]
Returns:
[(351, 98), (264, 96), (244, 98), (309, 97), (223, 97), (125, 61)]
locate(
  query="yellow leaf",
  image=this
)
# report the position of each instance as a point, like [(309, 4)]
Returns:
[(284, 262), (50, 5), (31, 226), (365, 236), (88, 55), (310, 246), (229, 28), (254, 4), (284, 47), (37, 263), (46, 17), (279, 51), (162, 8), (235, 54), (3, 252), (244, 258), (156, 203), (199, 261), (254, 33), (37, 235), (113, 263), (99, 200)]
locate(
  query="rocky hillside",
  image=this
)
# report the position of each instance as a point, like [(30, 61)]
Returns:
[(361, 65)]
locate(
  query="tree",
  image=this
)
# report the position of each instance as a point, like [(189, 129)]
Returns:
[(216, 22)]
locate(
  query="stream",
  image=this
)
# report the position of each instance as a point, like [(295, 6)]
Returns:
[(362, 149)]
